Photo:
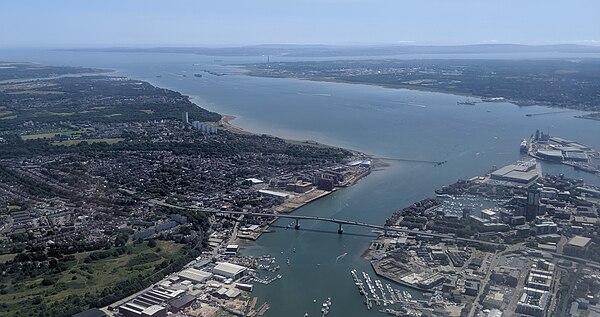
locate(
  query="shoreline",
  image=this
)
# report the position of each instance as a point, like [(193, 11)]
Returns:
[(518, 103), (299, 200), (395, 279)]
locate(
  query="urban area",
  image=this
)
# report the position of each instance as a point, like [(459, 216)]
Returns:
[(113, 206), (104, 194)]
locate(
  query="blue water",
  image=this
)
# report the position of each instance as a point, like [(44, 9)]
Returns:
[(383, 122)]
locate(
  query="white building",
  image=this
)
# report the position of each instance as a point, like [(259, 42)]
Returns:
[(194, 275), (229, 270)]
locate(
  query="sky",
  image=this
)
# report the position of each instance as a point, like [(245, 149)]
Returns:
[(146, 23)]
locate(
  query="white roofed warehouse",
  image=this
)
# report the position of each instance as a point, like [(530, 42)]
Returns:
[(229, 270)]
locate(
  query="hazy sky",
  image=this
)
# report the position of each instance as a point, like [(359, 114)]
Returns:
[(66, 23)]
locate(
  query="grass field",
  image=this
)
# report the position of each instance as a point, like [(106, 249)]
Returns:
[(92, 277), (50, 135), (36, 92), (309, 143), (7, 257), (74, 142), (13, 207)]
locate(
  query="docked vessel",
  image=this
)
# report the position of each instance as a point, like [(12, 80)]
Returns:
[(523, 148)]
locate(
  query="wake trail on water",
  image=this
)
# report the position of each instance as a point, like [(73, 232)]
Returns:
[(341, 256), (308, 94)]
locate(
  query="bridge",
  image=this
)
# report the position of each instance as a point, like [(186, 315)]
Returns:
[(341, 222), (385, 229)]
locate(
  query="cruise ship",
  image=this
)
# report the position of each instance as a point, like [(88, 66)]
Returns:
[(524, 146)]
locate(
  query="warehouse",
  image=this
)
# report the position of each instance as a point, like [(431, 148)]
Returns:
[(180, 303), (195, 275), (229, 270)]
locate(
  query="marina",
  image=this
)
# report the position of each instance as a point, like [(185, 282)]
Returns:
[(375, 293)]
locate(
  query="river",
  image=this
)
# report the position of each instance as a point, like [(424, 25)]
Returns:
[(384, 122)]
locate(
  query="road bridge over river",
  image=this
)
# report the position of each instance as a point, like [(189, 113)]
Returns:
[(339, 222), (385, 229), (342, 222)]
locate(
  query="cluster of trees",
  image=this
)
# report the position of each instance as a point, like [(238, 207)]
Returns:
[(103, 254), (58, 259), (75, 303), (227, 145)]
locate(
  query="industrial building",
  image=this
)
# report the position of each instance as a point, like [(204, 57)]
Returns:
[(180, 303), (299, 187), (229, 270), (150, 303), (577, 245), (522, 172), (195, 275), (92, 312), (551, 155), (488, 214), (274, 194), (232, 249), (137, 310), (227, 293)]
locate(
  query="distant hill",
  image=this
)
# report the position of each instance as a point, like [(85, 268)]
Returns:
[(364, 50)]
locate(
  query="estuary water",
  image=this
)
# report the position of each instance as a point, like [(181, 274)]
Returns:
[(389, 123)]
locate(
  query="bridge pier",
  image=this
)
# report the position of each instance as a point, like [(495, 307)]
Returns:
[(297, 226), (340, 229)]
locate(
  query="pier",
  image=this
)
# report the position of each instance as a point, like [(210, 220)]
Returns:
[(436, 163)]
